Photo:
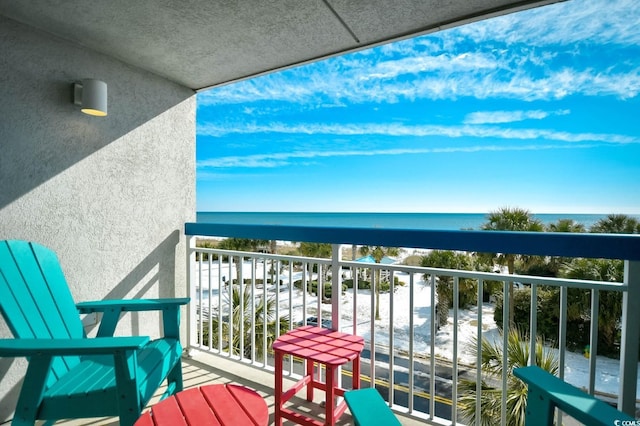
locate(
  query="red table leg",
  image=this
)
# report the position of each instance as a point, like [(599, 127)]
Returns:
[(312, 384), (278, 390), (355, 381), (330, 401)]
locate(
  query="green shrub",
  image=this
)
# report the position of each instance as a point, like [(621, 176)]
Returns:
[(312, 287), (258, 281), (362, 284), (548, 317), (366, 285)]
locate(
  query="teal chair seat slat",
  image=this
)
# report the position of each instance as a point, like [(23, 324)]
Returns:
[(92, 382), (90, 376), (70, 375)]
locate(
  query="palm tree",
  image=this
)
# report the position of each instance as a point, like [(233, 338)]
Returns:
[(378, 253), (447, 259), (566, 225), (320, 250), (610, 306), (240, 244), (249, 312), (551, 266), (617, 224), (492, 368), (511, 219)]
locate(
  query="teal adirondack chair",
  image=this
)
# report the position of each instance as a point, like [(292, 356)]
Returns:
[(546, 392), (70, 375)]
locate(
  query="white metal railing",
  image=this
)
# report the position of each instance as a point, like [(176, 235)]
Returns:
[(402, 360)]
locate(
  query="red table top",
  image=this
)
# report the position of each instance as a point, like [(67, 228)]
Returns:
[(320, 345), (216, 405)]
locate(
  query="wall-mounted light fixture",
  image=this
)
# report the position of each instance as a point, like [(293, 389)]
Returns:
[(91, 95)]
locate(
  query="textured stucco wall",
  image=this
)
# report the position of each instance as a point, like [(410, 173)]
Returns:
[(109, 195)]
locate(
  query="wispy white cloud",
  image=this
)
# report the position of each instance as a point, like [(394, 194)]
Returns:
[(520, 56), (477, 75), (564, 23), (288, 158), (495, 117), (394, 129), (442, 63)]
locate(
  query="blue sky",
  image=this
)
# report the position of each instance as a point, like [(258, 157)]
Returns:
[(539, 110)]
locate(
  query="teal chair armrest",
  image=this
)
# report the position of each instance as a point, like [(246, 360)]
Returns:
[(112, 309), (130, 305), (64, 347)]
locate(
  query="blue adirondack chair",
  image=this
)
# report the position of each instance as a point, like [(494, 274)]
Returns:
[(70, 375)]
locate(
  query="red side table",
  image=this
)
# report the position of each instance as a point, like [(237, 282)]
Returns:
[(316, 346), (216, 405)]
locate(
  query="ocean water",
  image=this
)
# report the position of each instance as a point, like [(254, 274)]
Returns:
[(434, 221)]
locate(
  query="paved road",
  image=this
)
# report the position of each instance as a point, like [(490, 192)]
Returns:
[(422, 381)]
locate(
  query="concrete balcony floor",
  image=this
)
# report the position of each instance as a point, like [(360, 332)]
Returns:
[(203, 369)]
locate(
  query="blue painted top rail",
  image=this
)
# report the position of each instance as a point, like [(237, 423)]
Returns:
[(606, 246)]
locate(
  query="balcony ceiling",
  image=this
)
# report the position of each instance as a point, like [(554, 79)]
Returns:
[(206, 43)]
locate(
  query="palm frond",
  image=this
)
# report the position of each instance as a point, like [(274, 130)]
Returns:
[(492, 369)]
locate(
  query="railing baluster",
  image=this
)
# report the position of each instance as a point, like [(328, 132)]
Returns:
[(506, 306), (305, 290), (230, 309), (319, 291), (303, 286), (432, 349), (391, 341), (336, 296), (373, 328), (200, 322), (562, 339), (336, 289), (265, 330), (454, 360), (219, 313), (290, 279), (593, 338), (191, 309), (253, 307), (209, 317), (354, 280), (290, 297), (562, 333), (630, 338), (411, 339), (533, 324), (241, 309), (479, 352)]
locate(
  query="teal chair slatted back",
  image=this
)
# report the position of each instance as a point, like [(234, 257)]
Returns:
[(70, 375), (35, 300)]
